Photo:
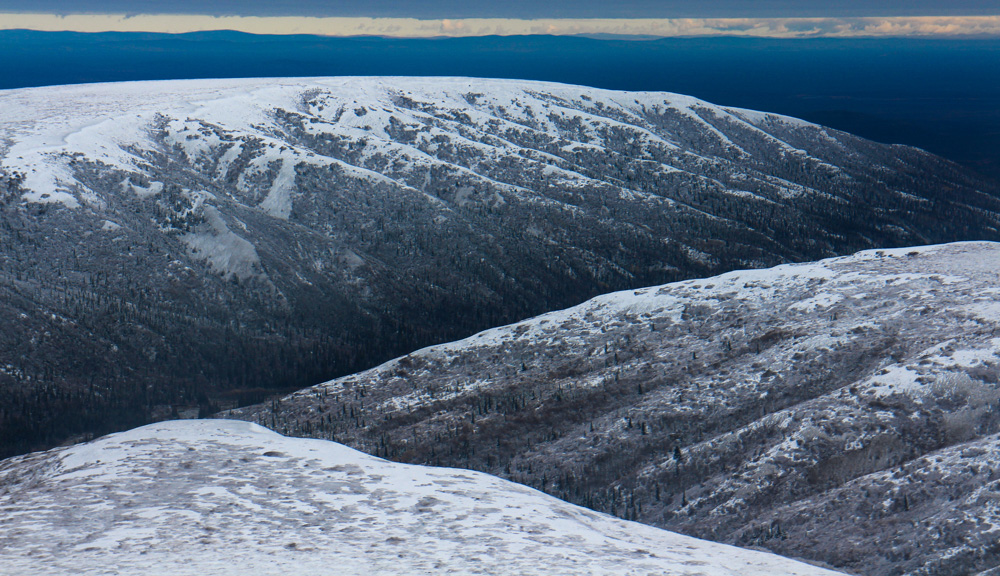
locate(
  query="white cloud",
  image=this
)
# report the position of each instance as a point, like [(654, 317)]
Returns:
[(415, 28)]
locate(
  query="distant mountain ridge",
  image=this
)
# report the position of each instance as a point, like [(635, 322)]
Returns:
[(845, 411), (894, 90), (208, 242)]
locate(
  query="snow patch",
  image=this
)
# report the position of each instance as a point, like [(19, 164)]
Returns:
[(110, 226), (822, 300), (278, 202), (225, 252)]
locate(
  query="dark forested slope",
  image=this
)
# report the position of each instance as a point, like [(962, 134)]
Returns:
[(166, 245)]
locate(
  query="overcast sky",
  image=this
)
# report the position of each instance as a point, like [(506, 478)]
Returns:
[(437, 9)]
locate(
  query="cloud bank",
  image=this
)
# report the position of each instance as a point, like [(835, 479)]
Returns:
[(926, 26)]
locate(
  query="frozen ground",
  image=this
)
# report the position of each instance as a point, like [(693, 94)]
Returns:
[(226, 497)]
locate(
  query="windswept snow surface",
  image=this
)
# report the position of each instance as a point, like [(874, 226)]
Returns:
[(225, 497)]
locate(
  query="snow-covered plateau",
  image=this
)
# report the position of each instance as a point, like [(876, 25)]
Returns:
[(845, 411), (216, 497)]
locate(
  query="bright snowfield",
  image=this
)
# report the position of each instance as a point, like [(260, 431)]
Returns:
[(229, 497)]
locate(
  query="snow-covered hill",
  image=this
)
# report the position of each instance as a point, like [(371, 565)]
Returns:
[(199, 242), (846, 411), (223, 497)]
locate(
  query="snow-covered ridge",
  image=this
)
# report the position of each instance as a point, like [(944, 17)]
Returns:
[(315, 151), (224, 497), (854, 395), (108, 123), (848, 275), (283, 147)]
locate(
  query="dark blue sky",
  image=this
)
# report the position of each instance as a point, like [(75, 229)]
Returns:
[(521, 8)]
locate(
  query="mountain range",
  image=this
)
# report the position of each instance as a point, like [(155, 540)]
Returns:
[(183, 246)]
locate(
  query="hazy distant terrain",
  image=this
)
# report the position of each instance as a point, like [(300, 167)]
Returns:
[(936, 94), (845, 411), (181, 246), (512, 8)]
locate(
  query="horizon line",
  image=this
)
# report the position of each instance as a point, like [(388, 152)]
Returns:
[(799, 27)]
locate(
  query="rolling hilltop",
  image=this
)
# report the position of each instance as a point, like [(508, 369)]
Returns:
[(229, 498)]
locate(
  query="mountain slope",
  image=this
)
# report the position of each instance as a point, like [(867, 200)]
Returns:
[(204, 242), (218, 497), (845, 411)]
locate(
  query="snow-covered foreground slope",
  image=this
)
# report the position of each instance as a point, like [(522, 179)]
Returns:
[(225, 497), (846, 411), (182, 242)]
